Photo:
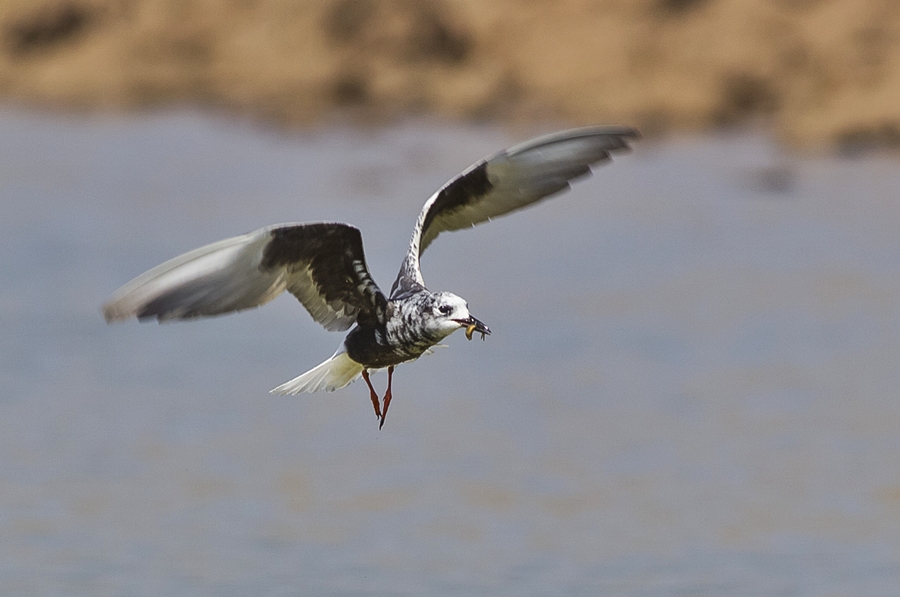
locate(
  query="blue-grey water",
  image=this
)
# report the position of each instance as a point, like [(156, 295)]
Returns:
[(692, 389)]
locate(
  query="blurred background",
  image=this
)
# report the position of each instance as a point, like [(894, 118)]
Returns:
[(820, 72), (691, 389)]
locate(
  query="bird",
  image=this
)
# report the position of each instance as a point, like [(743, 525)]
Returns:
[(323, 265)]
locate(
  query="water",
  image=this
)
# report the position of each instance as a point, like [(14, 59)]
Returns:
[(691, 389)]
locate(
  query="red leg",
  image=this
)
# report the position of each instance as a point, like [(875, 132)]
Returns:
[(387, 396), (373, 396)]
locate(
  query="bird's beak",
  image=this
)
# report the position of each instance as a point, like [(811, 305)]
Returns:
[(473, 325)]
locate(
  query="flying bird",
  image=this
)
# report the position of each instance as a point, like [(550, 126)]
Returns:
[(324, 266)]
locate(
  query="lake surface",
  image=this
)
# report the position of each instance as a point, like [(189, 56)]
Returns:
[(691, 389)]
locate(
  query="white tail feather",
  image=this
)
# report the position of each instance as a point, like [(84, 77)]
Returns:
[(333, 374)]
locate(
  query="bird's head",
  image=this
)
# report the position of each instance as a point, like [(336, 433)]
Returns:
[(451, 312)]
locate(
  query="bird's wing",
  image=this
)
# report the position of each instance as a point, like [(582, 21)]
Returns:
[(322, 264), (510, 180)]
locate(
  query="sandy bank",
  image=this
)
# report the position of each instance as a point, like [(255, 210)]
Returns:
[(822, 72)]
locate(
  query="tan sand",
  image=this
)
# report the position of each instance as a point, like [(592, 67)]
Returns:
[(819, 72)]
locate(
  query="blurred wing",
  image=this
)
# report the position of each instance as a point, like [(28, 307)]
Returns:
[(510, 180), (323, 265)]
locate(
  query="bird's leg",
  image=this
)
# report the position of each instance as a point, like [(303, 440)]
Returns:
[(387, 396), (373, 396)]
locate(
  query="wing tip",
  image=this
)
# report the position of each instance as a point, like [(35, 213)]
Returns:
[(113, 313), (617, 130), (623, 133)]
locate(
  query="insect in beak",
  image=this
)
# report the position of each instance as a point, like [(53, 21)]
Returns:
[(473, 325)]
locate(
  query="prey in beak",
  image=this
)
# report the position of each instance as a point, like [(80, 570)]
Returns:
[(473, 325)]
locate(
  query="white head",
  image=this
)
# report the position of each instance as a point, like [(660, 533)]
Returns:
[(450, 313)]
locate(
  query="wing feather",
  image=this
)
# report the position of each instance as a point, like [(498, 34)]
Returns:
[(510, 180), (322, 264)]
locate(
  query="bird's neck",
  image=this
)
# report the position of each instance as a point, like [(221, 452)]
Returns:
[(408, 323)]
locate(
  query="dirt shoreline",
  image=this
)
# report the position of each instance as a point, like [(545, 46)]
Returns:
[(820, 73)]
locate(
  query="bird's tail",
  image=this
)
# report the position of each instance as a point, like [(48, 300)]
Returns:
[(333, 374)]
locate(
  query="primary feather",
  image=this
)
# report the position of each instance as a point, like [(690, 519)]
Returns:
[(505, 182), (322, 264)]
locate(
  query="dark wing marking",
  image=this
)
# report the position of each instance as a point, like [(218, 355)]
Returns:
[(510, 180), (323, 265), (327, 272), (457, 194)]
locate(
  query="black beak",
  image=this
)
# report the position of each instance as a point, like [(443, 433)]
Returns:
[(473, 325)]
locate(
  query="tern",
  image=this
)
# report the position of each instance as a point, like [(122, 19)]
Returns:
[(324, 266)]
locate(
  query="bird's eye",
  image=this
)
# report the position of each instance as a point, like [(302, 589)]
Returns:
[(445, 309)]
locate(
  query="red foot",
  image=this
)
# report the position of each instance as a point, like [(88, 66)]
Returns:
[(373, 396), (387, 397)]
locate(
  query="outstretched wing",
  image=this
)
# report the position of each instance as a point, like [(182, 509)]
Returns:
[(322, 264), (507, 181)]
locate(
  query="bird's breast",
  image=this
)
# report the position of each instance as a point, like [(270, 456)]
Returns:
[(375, 348)]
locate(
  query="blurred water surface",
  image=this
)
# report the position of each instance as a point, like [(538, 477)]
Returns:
[(692, 386)]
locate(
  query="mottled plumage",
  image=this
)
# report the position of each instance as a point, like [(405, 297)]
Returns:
[(323, 265)]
